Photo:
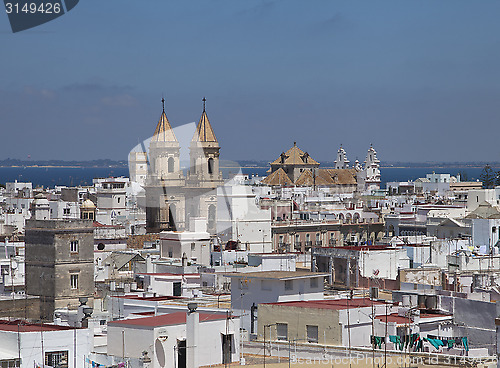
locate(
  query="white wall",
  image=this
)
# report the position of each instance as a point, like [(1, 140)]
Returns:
[(31, 347), (257, 290), (383, 263), (483, 234), (139, 339)]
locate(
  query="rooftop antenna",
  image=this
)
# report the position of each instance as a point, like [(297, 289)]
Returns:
[(163, 103), (204, 100)]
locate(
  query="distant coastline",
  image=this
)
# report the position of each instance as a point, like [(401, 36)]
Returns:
[(249, 164)]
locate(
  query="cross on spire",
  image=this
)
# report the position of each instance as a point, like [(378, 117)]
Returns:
[(163, 103), (204, 100)]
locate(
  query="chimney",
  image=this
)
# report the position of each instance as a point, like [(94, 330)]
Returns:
[(192, 336)]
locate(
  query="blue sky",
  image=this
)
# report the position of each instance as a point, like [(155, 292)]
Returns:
[(418, 79)]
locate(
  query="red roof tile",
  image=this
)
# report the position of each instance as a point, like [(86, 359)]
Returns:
[(23, 326), (393, 318), (334, 304), (176, 318)]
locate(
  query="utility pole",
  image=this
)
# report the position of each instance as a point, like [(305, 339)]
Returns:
[(264, 346), (385, 344)]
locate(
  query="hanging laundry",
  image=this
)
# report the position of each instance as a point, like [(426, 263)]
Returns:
[(420, 345), (413, 339), (466, 343), (377, 341), (397, 341), (435, 342)]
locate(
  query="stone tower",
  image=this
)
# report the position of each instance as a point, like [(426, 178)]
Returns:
[(341, 162), (372, 170), (165, 182), (59, 263), (204, 174), (173, 198)]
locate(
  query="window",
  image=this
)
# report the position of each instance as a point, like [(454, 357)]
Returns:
[(10, 363), (170, 164), (288, 284), (74, 281), (57, 359), (314, 283), (66, 211), (312, 333), (73, 246), (282, 331), (210, 165), (265, 285), (193, 247)]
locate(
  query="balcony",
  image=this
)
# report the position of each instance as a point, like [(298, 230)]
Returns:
[(283, 247)]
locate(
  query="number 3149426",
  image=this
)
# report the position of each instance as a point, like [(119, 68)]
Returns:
[(32, 8)]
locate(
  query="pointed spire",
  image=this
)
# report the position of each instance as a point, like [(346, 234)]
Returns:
[(204, 131), (163, 131)]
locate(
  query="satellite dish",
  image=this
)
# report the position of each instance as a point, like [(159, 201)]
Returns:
[(160, 353)]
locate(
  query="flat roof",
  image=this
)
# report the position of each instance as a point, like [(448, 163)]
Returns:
[(24, 326), (277, 275), (363, 247), (151, 298), (168, 274), (334, 304), (394, 317), (176, 318)]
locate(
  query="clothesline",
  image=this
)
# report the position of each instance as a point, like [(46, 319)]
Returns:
[(416, 341), (97, 365)]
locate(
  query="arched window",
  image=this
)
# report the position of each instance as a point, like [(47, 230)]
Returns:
[(210, 165), (211, 216), (170, 164), (171, 216)]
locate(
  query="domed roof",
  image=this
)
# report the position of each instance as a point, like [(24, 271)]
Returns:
[(88, 204)]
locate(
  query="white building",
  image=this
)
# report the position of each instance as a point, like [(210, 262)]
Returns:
[(177, 339), (170, 284), (43, 344), (253, 288), (240, 219), (111, 200), (138, 167), (440, 178), (64, 210), (19, 189), (187, 246), (478, 196)]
